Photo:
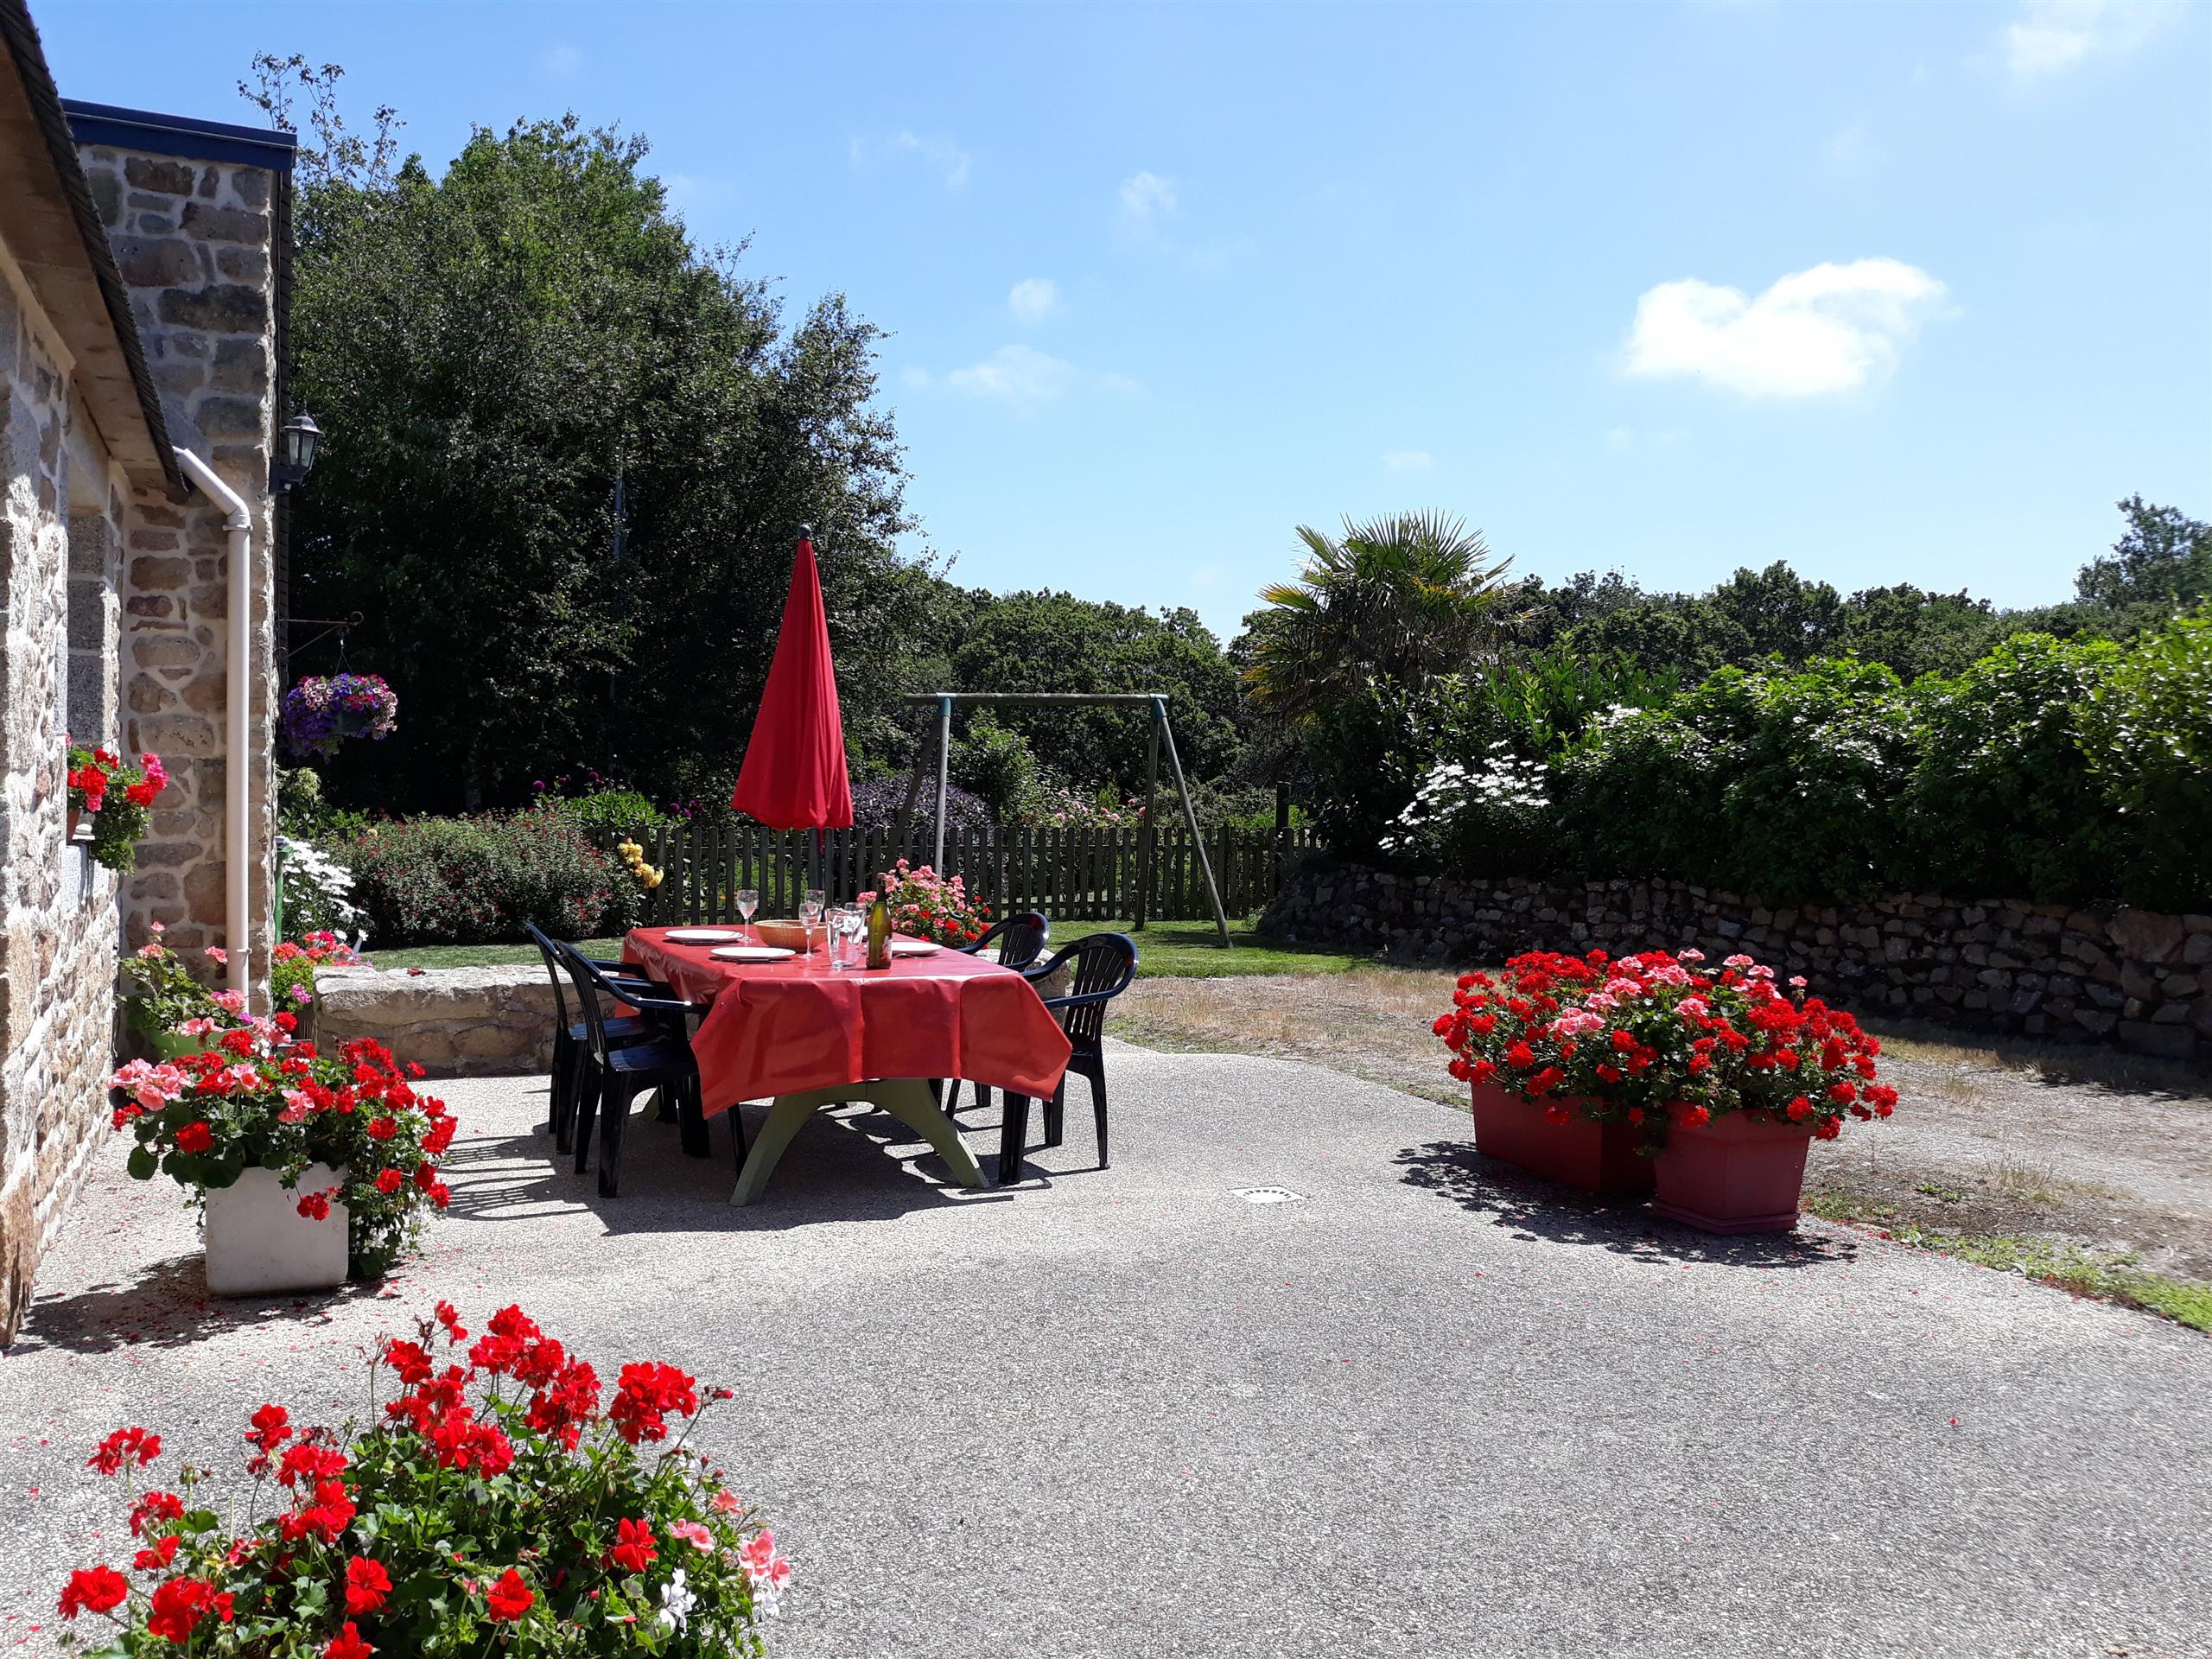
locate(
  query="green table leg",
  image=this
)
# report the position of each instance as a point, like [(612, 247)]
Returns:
[(907, 1099)]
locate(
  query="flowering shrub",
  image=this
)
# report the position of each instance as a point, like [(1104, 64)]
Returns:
[(1056, 806), (1622, 1039), (320, 710), (119, 797), (316, 891), (260, 1099), (926, 906), (292, 965), (1493, 812), (167, 996), (507, 1505), (477, 880)]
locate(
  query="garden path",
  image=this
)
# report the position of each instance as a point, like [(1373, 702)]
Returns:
[(1426, 1409)]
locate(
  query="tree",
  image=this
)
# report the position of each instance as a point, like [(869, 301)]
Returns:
[(568, 453), (1048, 641), (2163, 560), (1399, 601)]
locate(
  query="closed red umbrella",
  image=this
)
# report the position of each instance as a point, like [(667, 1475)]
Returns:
[(794, 772)]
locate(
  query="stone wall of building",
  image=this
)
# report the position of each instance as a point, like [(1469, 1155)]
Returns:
[(64, 509), (196, 243), (2132, 977)]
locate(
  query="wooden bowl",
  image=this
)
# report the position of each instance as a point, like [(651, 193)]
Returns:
[(791, 936)]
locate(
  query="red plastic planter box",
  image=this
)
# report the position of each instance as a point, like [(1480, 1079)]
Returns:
[(1596, 1157), (1740, 1173)]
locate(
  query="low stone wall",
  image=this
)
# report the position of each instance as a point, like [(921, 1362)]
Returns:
[(2133, 977), (454, 1022)]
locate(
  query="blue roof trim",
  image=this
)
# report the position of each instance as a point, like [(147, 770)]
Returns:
[(181, 135)]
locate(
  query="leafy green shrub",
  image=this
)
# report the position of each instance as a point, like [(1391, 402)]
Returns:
[(1806, 765), (2148, 733), (1638, 797), (609, 817), (477, 880), (2004, 800)]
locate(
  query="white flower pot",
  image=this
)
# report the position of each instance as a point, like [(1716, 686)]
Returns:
[(258, 1241)]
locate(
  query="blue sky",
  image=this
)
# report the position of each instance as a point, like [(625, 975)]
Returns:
[(1897, 293)]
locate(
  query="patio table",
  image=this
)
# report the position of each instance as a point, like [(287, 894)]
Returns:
[(810, 1035)]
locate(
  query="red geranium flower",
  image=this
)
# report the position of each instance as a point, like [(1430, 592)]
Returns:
[(633, 1546), (347, 1645), (510, 1598), (366, 1585), (93, 1590), (194, 1137)]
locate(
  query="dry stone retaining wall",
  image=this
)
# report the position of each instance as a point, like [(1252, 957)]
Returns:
[(454, 1022), (2132, 977)]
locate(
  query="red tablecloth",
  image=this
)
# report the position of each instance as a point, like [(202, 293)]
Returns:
[(784, 1027)]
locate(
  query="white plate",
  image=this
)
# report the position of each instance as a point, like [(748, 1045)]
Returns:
[(913, 948), (702, 934), (751, 953)]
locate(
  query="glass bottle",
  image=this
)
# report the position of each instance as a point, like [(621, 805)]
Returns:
[(879, 932)]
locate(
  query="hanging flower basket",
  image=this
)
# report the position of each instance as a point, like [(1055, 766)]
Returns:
[(322, 710), (118, 797)]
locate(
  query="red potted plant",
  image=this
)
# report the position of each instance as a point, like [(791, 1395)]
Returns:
[(1647, 1073), (498, 1499)]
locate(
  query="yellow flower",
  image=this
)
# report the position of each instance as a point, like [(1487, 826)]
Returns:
[(650, 876), (629, 849)]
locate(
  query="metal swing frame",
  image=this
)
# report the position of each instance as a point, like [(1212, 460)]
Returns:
[(1163, 732)]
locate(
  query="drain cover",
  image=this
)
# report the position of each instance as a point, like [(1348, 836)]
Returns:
[(1268, 1195)]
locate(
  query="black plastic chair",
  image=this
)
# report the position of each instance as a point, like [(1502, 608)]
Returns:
[(1104, 963), (617, 1074), (1021, 939), (571, 1037)]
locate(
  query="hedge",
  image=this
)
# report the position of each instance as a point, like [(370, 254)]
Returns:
[(2053, 772)]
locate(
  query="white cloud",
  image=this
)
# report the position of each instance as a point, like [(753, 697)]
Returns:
[(1146, 198), (1828, 329), (936, 151), (1034, 298), (2051, 36), (1409, 460), (1025, 378), (559, 63)]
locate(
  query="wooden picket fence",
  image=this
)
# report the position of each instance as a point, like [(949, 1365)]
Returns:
[(1075, 874)]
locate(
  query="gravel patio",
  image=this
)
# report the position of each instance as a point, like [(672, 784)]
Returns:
[(1425, 1407)]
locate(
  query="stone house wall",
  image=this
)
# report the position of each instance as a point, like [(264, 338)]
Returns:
[(64, 514), (196, 242), (2136, 978)]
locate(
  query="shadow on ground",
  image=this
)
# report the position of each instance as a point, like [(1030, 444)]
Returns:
[(166, 1305), (840, 1168), (2041, 1059), (1532, 1209)]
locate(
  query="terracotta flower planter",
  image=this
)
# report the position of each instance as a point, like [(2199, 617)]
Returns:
[(1739, 1172), (1596, 1157)]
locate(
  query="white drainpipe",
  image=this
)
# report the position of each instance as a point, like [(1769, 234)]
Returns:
[(238, 766)]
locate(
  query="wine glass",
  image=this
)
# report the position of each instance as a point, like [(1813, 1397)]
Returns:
[(810, 913), (748, 901)]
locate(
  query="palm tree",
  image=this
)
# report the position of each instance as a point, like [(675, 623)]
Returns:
[(1400, 599)]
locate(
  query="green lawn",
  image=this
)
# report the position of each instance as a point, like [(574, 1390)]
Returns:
[(1165, 949)]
